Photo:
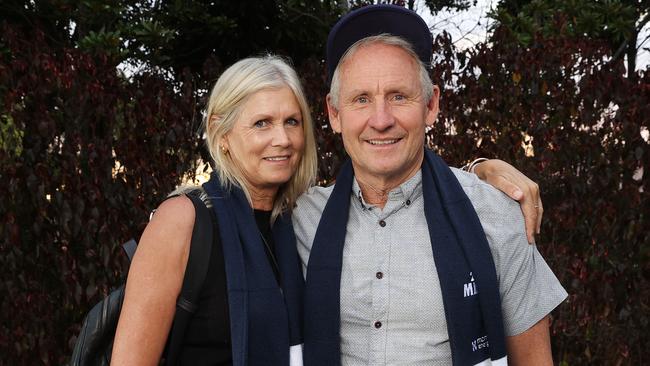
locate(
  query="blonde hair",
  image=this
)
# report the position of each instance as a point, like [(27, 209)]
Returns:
[(390, 40), (227, 98)]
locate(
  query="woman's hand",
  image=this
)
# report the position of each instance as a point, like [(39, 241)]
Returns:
[(512, 182)]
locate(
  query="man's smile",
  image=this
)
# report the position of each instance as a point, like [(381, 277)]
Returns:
[(383, 142)]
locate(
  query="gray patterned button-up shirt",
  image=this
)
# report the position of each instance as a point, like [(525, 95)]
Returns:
[(391, 302)]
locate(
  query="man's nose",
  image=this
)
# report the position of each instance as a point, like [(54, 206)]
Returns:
[(382, 117)]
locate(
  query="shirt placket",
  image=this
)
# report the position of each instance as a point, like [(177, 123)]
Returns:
[(383, 224)]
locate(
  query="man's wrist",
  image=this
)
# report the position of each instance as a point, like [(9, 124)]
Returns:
[(469, 167)]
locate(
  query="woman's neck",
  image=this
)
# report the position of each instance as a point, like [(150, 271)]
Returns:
[(263, 198)]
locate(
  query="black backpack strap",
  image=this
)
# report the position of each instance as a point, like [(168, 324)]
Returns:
[(195, 273), (129, 248)]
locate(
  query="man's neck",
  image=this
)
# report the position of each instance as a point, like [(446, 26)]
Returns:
[(375, 189)]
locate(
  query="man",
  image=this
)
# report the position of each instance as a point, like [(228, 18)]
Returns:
[(402, 269)]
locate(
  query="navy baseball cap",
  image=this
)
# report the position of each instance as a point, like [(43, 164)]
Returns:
[(373, 20)]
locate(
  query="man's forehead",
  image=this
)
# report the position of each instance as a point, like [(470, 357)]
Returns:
[(380, 57), (380, 51), (378, 66)]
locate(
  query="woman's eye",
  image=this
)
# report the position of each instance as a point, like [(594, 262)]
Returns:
[(293, 122), (261, 123)]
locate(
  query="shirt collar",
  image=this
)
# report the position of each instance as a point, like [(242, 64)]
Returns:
[(406, 192)]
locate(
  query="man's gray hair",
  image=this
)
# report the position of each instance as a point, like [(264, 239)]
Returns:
[(390, 40)]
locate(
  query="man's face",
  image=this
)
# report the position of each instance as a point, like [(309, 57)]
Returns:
[(382, 114)]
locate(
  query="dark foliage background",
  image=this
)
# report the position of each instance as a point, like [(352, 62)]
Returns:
[(100, 106)]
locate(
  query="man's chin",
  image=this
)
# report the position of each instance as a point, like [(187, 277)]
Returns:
[(388, 170), (390, 167)]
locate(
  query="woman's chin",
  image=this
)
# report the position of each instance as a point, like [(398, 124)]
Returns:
[(272, 182)]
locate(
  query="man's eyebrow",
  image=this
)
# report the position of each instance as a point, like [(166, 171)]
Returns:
[(354, 92), (398, 88)]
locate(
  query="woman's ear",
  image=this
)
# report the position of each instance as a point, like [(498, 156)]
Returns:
[(223, 141), (213, 119), (223, 144)]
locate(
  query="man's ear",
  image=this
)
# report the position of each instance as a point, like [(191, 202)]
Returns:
[(433, 106), (333, 114)]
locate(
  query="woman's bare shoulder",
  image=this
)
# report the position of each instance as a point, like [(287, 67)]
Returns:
[(171, 224)]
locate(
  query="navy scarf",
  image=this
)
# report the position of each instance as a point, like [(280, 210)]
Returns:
[(463, 260), (265, 320)]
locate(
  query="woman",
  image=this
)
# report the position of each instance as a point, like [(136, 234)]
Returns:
[(260, 136)]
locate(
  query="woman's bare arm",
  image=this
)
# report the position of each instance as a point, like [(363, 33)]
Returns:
[(153, 284)]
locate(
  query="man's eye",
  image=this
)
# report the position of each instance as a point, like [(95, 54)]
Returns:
[(399, 97), (261, 123), (362, 99)]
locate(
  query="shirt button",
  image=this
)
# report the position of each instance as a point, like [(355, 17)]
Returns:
[(408, 202), (379, 275), (377, 324), (382, 223)]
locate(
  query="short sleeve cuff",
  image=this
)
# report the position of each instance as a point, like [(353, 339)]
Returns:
[(544, 293)]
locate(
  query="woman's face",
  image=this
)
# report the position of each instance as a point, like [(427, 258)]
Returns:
[(267, 141)]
